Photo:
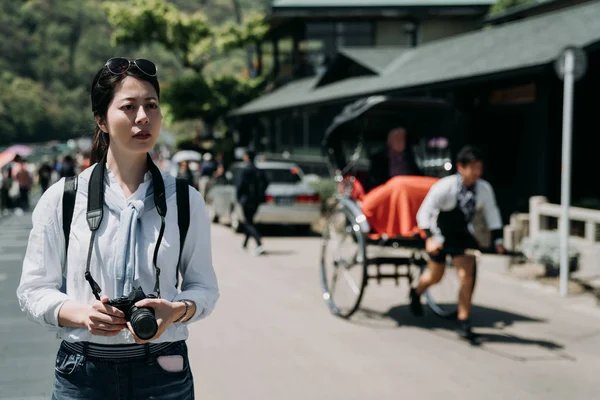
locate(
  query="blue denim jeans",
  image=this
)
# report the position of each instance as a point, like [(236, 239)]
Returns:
[(78, 376)]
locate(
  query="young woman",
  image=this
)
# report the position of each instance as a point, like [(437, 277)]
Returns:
[(110, 252)]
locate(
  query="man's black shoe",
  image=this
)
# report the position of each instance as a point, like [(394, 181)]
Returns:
[(415, 303), (463, 329)]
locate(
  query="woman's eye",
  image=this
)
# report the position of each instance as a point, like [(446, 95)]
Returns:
[(127, 107), (152, 106)]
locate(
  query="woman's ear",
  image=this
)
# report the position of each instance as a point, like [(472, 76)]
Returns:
[(101, 124)]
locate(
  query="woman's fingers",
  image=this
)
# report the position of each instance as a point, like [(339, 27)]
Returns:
[(106, 327), (102, 307), (100, 317)]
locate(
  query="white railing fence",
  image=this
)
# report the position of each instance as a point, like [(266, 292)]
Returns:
[(545, 216)]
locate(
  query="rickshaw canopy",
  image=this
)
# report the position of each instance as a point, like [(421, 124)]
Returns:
[(368, 121)]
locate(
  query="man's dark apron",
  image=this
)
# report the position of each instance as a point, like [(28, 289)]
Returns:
[(454, 224)]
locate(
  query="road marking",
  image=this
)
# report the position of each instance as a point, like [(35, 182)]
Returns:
[(3, 277)]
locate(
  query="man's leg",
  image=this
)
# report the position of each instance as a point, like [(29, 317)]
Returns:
[(433, 274), (247, 238), (465, 268), (249, 224), (246, 226)]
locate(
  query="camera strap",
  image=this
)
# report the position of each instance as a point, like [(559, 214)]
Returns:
[(95, 213)]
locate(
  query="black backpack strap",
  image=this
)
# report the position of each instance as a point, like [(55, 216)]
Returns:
[(183, 213), (68, 205)]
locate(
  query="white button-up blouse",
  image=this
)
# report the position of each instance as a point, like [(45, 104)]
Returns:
[(122, 256)]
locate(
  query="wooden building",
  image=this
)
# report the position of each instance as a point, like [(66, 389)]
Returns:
[(501, 80)]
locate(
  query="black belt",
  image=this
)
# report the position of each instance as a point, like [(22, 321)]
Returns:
[(115, 351)]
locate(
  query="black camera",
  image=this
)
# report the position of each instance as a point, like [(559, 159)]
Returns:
[(142, 319)]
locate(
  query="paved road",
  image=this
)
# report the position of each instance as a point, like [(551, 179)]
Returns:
[(27, 352), (271, 336)]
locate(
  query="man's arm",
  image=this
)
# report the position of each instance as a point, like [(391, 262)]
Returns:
[(240, 185), (492, 215), (431, 206), (241, 181)]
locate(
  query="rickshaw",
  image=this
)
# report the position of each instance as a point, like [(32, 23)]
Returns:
[(353, 253)]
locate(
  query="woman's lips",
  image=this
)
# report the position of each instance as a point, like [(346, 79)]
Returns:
[(142, 135)]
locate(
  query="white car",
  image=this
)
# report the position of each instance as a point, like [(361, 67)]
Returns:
[(290, 201)]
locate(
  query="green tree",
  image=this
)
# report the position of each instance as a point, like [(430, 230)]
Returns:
[(51, 49), (196, 43), (503, 5), (211, 98)]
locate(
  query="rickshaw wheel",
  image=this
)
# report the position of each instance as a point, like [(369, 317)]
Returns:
[(343, 263), (442, 298)]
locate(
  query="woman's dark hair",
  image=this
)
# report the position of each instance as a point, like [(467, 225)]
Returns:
[(469, 154), (102, 93)]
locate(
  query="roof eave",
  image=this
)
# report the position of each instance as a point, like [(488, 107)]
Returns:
[(498, 75)]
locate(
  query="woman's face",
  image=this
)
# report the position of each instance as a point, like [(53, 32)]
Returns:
[(133, 119)]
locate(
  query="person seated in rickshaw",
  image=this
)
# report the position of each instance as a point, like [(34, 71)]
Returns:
[(395, 160), (446, 216), (395, 189)]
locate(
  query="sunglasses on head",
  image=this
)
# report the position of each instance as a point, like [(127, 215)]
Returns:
[(119, 65)]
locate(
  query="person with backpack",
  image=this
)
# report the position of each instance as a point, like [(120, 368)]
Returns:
[(108, 249), (251, 188)]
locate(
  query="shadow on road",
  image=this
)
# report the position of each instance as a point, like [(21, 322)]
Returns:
[(279, 252), (286, 231), (488, 323)]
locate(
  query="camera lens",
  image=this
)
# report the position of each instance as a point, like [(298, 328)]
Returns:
[(143, 322)]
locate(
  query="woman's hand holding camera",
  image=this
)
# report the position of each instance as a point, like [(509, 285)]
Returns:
[(166, 313), (104, 320)]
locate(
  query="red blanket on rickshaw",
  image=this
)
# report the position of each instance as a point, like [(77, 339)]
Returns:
[(391, 208)]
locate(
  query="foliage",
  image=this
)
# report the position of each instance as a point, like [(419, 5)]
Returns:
[(544, 248), (325, 187), (51, 50), (27, 109), (189, 36), (503, 5), (233, 36), (195, 43), (194, 95)]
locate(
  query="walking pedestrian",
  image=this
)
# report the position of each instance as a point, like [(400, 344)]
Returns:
[(122, 235), (23, 177), (44, 175), (250, 190)]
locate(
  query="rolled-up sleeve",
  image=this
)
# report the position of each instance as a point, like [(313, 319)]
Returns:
[(199, 280), (41, 278), (491, 211), (431, 205)]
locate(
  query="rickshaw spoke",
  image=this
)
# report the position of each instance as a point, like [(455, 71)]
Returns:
[(334, 281), (351, 282)]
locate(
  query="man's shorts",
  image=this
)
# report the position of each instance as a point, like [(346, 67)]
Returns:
[(440, 256), (454, 248)]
